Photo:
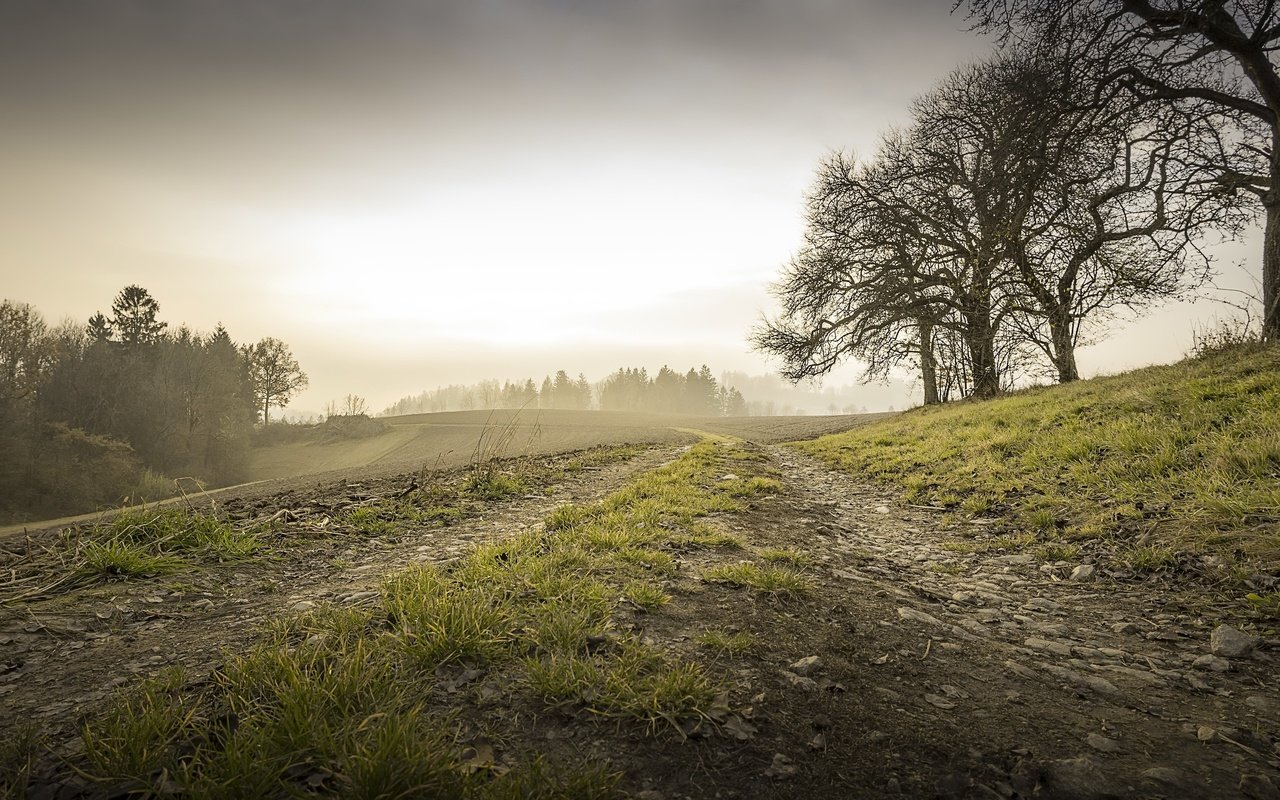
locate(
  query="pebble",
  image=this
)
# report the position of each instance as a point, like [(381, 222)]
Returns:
[(806, 666), (799, 681), (1258, 787), (1166, 775), (1262, 703), (1103, 744), (1057, 648), (1125, 628), (905, 612), (1083, 573), (781, 769), (1212, 663), (1078, 779), (1230, 642)]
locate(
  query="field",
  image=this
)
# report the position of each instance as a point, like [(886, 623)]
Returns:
[(618, 606), (449, 439)]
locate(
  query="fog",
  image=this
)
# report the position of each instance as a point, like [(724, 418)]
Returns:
[(412, 194)]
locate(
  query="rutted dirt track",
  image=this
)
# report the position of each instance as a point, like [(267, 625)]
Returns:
[(1024, 680), (938, 674)]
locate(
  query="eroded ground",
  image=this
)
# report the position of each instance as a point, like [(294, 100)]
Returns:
[(900, 668)]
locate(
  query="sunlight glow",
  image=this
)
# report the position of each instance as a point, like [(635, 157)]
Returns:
[(534, 257)]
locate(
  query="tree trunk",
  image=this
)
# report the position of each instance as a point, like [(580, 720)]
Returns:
[(266, 406), (1271, 261), (928, 367), (979, 336), (1064, 347)]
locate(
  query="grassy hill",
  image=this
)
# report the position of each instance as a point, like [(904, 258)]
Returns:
[(1161, 468)]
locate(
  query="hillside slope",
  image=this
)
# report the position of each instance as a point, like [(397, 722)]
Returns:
[(1152, 470)]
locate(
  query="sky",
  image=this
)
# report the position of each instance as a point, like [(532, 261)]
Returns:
[(416, 192)]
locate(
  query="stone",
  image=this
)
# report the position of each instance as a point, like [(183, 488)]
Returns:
[(1206, 733), (799, 681), (1230, 642), (1258, 787), (1125, 628), (1212, 663), (806, 666), (1102, 744), (1164, 775), (1043, 645), (1262, 703), (781, 769), (1042, 604), (908, 613), (1019, 670), (1077, 779), (1083, 573)]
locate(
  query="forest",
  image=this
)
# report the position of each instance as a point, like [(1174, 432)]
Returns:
[(628, 389), (120, 406)]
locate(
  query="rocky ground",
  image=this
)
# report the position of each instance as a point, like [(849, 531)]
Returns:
[(909, 669)]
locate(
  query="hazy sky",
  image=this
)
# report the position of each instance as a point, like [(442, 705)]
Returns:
[(412, 192)]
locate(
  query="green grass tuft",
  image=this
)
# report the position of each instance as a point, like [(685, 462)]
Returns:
[(734, 643), (775, 580)]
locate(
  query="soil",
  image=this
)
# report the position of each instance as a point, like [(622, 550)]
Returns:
[(938, 673)]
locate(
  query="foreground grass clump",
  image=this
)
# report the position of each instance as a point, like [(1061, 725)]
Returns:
[(1185, 456), (770, 578), (365, 702)]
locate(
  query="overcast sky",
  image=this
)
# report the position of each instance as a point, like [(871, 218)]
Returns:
[(412, 192)]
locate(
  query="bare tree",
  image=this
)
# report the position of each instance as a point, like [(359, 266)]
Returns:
[(852, 290), (353, 405), (1207, 56), (274, 374), (1117, 207), (918, 240)]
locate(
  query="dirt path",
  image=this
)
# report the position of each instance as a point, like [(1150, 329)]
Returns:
[(908, 670), (1016, 678), (62, 657)]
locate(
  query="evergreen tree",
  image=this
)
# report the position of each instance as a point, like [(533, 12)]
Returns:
[(134, 317)]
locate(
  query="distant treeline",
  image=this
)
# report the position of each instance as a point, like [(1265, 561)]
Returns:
[(629, 389), (93, 413)]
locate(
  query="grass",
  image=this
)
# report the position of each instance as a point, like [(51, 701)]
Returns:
[(646, 596), (18, 754), (784, 556), (775, 580), (353, 701), (134, 544), (490, 478), (1186, 456), (732, 643)]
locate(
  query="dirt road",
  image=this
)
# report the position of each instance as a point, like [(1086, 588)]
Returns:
[(909, 669)]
